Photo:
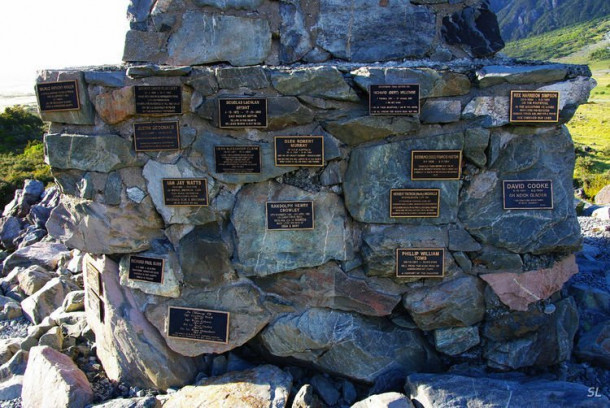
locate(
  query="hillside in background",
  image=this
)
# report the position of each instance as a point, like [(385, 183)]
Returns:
[(523, 18)]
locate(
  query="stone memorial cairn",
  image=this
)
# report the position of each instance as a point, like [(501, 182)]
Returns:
[(360, 187)]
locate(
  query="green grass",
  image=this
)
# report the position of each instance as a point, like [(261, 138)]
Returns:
[(560, 43)]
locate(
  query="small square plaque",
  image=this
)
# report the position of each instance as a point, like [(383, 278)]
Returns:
[(156, 136), (185, 192), (394, 99), (145, 269), (243, 113), (198, 324), (534, 106), (415, 203), (528, 194), (420, 262), (304, 151), (290, 215), (58, 96)]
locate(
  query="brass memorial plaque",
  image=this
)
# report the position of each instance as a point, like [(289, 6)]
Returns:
[(242, 113), (93, 278), (198, 324), (394, 99), (234, 159), (185, 192), (528, 194), (304, 151), (414, 203), (420, 262), (534, 106), (156, 136), (290, 215), (96, 305), (145, 269), (436, 164), (158, 100), (58, 96)]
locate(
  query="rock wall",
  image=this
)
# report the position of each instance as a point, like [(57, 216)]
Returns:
[(329, 296)]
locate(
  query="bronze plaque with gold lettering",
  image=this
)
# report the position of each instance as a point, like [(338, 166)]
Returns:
[(234, 159), (146, 269), (436, 164), (185, 192), (158, 100), (304, 151), (528, 194), (534, 106), (290, 215), (394, 99), (156, 136), (420, 262), (58, 96), (242, 113), (412, 203), (198, 324)]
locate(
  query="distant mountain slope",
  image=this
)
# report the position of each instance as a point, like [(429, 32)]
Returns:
[(523, 18), (584, 38)]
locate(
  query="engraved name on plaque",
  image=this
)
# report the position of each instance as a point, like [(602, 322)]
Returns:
[(234, 159), (420, 262), (394, 99), (146, 269), (304, 151), (534, 106), (185, 192), (156, 136), (58, 96), (158, 100), (528, 194), (198, 324), (412, 203), (290, 215), (242, 113), (436, 164)]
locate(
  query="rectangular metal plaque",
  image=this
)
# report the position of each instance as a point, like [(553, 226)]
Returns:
[(528, 194), (244, 159), (290, 215), (156, 136), (146, 269), (58, 96), (158, 100), (185, 192), (243, 113), (436, 164), (96, 305), (420, 262), (534, 106), (305, 151), (93, 278), (411, 203), (394, 99), (198, 324)]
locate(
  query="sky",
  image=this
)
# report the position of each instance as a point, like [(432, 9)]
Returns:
[(43, 34)]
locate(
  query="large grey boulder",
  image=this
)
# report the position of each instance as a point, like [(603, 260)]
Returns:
[(104, 229), (129, 347), (408, 30), (328, 286), (374, 170), (320, 82), (262, 252), (44, 254), (244, 302), (47, 299), (53, 380), (330, 339), (386, 400), (594, 345), (524, 154), (102, 153), (264, 386), (206, 38), (450, 390)]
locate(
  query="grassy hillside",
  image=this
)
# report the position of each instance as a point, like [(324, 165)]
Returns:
[(563, 42)]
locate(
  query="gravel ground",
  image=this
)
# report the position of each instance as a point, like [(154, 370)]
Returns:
[(594, 259), (14, 328)]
